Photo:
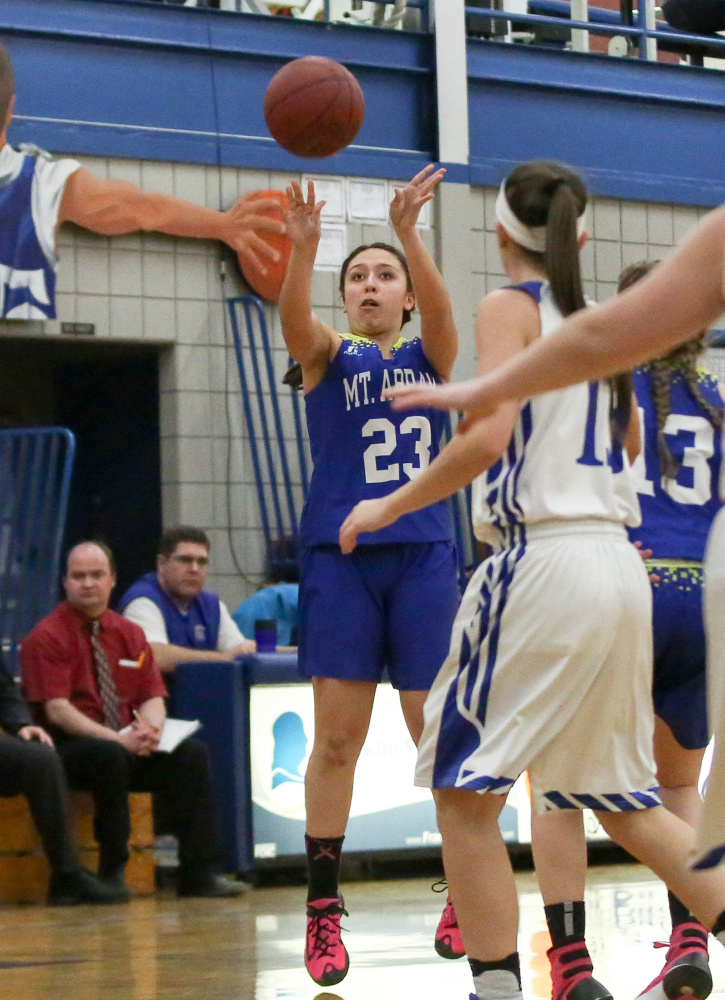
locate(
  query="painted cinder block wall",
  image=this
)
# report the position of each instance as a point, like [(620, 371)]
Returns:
[(168, 291)]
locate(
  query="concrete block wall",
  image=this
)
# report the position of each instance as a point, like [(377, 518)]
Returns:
[(167, 291), (620, 232)]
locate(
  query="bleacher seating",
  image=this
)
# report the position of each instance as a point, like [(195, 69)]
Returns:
[(24, 870)]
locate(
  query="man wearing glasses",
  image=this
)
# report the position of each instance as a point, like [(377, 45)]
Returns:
[(182, 621)]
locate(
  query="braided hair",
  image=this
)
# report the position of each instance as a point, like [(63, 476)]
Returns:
[(546, 193), (680, 361)]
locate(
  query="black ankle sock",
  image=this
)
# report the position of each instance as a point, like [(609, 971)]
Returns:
[(678, 911), (719, 926), (323, 866), (509, 964), (566, 922)]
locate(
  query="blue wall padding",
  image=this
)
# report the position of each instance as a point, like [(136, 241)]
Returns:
[(148, 81)]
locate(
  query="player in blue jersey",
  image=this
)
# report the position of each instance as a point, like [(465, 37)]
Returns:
[(38, 193), (550, 667), (678, 474), (393, 604)]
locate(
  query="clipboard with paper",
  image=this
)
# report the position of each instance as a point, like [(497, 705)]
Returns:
[(175, 731)]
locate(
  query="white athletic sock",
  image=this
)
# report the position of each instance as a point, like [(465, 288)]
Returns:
[(497, 984)]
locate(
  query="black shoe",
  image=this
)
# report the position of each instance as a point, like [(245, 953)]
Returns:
[(212, 887), (80, 886), (115, 879)]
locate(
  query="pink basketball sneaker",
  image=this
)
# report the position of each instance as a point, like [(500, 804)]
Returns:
[(448, 941), (571, 974), (686, 971), (326, 957)]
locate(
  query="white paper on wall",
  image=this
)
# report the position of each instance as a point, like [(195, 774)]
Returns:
[(424, 219), (367, 201), (333, 247)]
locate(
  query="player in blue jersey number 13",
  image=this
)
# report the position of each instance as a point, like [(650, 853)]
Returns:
[(393, 604), (681, 414)]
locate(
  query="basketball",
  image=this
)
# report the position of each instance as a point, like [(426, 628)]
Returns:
[(314, 107), (269, 285)]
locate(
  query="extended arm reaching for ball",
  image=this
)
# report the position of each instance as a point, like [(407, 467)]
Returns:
[(681, 297), (437, 327), (113, 208)]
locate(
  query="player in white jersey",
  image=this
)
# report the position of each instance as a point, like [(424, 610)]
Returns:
[(550, 662), (681, 297)]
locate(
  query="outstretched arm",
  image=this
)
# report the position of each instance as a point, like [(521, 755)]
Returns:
[(112, 208), (681, 297), (437, 329), (309, 341)]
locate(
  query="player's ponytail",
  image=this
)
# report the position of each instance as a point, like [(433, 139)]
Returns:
[(541, 206), (549, 200), (682, 360), (561, 257)]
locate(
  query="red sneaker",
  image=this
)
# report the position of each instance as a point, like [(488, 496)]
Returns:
[(326, 957), (448, 940), (571, 974), (686, 971)]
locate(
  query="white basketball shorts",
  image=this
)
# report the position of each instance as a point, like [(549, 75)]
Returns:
[(550, 671)]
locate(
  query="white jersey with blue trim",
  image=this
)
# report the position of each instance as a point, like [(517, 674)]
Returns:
[(31, 189), (561, 463)]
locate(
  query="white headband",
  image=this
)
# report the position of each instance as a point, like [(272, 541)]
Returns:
[(531, 237)]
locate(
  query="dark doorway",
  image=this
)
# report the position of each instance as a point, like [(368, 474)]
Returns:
[(108, 395)]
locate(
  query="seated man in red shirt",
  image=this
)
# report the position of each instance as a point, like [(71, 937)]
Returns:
[(91, 680)]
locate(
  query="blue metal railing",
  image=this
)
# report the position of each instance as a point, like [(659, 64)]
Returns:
[(460, 507), (277, 496), (421, 5), (35, 473), (302, 11), (603, 22), (541, 14)]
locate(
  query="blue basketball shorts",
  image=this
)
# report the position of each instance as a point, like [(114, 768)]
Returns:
[(383, 606), (679, 688)]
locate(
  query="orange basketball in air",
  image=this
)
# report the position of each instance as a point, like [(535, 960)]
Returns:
[(314, 107), (269, 285)]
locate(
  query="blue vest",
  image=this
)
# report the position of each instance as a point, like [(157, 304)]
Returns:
[(20, 248), (363, 449), (676, 515), (197, 629)]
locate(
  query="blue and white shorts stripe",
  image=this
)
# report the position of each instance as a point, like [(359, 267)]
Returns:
[(550, 671)]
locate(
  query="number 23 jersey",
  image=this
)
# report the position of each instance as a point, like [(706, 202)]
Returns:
[(362, 449)]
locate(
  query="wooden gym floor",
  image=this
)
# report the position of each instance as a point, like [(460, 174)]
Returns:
[(250, 948)]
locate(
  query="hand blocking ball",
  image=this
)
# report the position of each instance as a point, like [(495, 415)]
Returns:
[(314, 107), (268, 286)]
